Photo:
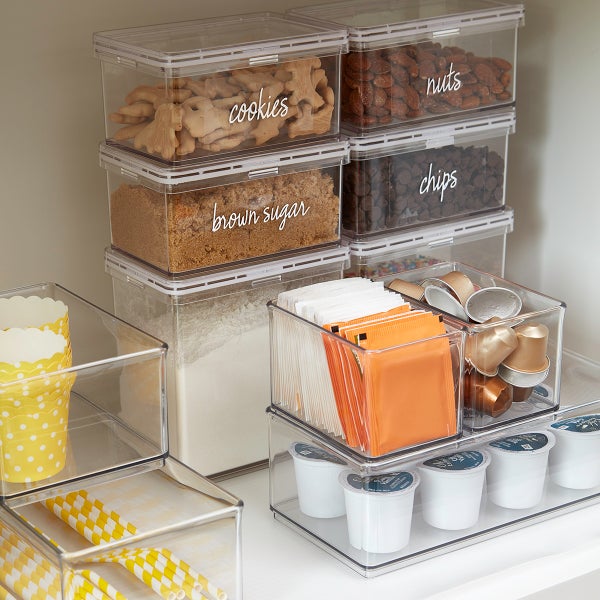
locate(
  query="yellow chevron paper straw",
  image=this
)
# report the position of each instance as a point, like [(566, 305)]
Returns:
[(83, 589), (112, 514), (95, 511), (5, 594), (101, 584)]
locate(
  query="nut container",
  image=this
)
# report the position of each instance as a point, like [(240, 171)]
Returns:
[(208, 87)]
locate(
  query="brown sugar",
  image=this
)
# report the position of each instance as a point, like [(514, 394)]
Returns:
[(226, 224)]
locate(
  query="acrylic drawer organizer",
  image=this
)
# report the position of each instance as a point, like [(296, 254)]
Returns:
[(393, 513), (426, 175), (513, 348), (186, 218), (70, 413), (209, 87), (166, 532), (411, 60), (375, 402), (217, 329), (477, 241)]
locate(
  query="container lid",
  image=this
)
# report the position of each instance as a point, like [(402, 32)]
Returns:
[(396, 483), (533, 442), (314, 454), (401, 139), (119, 265), (376, 24), (435, 236), (206, 45), (202, 174), (459, 462), (588, 424)]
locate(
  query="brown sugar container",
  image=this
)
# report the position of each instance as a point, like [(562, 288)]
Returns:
[(412, 61), (184, 218)]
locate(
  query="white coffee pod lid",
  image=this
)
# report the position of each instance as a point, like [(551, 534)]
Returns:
[(386, 484), (458, 463), (314, 455), (582, 424), (531, 442)]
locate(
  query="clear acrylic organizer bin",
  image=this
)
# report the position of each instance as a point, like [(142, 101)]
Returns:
[(513, 346), (165, 532), (73, 380)]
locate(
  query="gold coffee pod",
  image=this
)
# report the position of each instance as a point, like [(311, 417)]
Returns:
[(406, 288), (530, 353), (489, 395), (442, 299), (461, 286), (487, 349), (490, 302), (520, 394)]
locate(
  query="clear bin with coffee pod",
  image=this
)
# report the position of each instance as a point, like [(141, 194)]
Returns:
[(186, 218), (513, 348), (394, 511), (66, 369), (479, 241), (411, 61), (401, 178), (209, 87)]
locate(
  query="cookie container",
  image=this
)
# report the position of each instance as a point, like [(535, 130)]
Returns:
[(73, 412), (201, 88), (412, 61), (477, 241), (182, 219), (217, 329), (375, 402), (162, 532), (452, 506), (405, 178), (513, 346)]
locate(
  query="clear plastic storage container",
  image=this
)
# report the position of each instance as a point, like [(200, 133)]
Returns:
[(73, 382), (405, 178), (217, 329), (375, 402), (207, 87), (164, 532), (183, 219), (411, 60), (513, 349), (477, 241), (380, 516)]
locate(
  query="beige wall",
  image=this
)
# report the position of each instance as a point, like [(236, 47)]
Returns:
[(54, 212)]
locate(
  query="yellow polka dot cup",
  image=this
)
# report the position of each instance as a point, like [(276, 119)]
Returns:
[(34, 403)]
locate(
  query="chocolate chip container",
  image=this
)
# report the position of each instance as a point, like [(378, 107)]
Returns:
[(411, 61), (513, 346), (186, 218), (207, 87), (404, 178)]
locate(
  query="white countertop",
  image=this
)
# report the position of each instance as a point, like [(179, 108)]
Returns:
[(279, 564)]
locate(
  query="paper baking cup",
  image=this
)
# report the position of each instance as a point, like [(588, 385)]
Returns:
[(451, 488), (34, 404), (516, 475), (575, 459), (319, 492), (33, 311), (379, 509)]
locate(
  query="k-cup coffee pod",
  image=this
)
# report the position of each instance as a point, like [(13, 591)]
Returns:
[(530, 354), (487, 349), (460, 285), (442, 299), (575, 459), (489, 395), (379, 509), (516, 475), (451, 488), (317, 471), (406, 288), (490, 302)]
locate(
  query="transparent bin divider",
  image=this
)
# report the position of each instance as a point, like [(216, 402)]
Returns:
[(175, 524), (354, 394), (117, 375), (454, 463), (501, 382)]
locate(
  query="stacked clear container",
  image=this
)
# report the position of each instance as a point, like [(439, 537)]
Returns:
[(223, 157), (83, 476)]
